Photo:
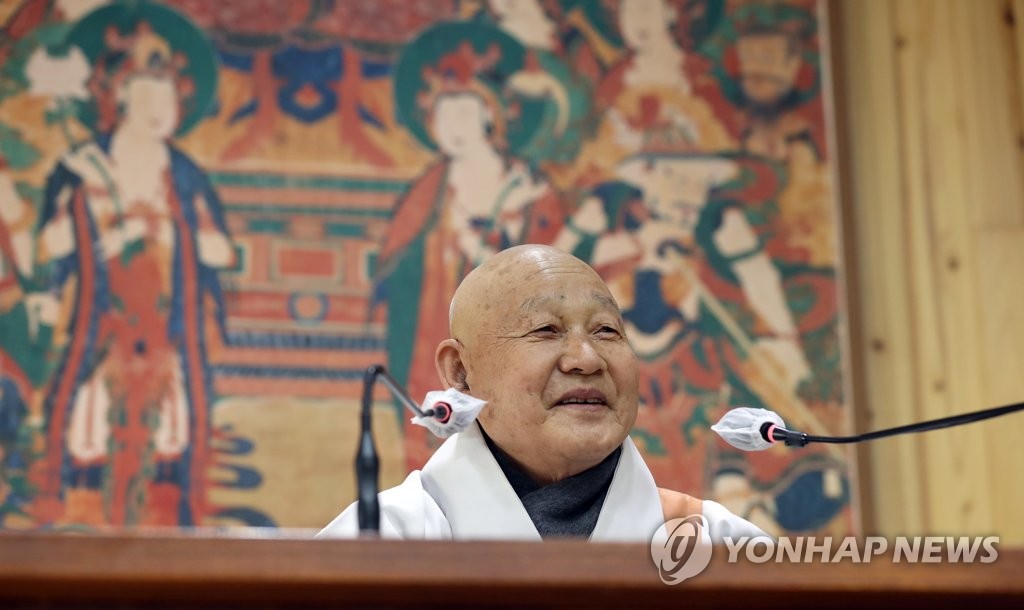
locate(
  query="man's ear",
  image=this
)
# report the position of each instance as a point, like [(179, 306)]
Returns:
[(450, 366)]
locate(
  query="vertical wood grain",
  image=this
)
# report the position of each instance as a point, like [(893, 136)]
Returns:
[(948, 302), (875, 167), (986, 56), (934, 157), (1002, 251), (1015, 10)]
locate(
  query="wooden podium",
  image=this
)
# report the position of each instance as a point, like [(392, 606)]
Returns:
[(50, 571)]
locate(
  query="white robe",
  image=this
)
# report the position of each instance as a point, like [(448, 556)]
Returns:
[(462, 494)]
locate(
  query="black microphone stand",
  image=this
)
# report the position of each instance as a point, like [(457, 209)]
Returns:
[(367, 461)]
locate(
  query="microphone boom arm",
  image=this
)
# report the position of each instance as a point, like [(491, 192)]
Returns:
[(367, 460), (794, 438)]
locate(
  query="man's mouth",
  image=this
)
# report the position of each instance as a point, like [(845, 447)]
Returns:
[(582, 398)]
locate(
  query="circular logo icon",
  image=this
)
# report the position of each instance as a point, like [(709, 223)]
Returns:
[(685, 552)]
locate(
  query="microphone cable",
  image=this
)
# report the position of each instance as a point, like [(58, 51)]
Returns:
[(793, 438)]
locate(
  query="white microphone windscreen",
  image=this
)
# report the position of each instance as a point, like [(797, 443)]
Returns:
[(464, 408), (741, 427)]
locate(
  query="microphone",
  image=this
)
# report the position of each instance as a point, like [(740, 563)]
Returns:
[(450, 411), (443, 413), (751, 429), (741, 428)]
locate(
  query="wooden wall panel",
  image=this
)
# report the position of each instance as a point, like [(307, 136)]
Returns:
[(1002, 329), (933, 125), (869, 78)]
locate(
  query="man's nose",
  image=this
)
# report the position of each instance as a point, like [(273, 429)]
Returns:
[(580, 356)]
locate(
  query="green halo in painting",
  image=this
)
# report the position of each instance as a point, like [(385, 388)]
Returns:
[(433, 44), (180, 33)]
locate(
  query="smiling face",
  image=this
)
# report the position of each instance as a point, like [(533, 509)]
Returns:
[(541, 339), (150, 106)]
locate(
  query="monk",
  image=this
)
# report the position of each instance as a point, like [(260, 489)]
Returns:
[(536, 333)]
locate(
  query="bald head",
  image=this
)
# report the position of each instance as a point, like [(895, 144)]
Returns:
[(503, 280), (536, 333)]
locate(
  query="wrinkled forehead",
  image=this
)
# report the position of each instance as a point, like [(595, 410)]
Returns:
[(578, 304), (521, 281), (575, 288)]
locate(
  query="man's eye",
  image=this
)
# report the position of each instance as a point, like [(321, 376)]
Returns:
[(546, 329), (608, 331)]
